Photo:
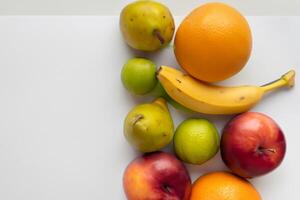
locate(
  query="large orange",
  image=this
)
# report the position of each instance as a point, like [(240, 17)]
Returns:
[(223, 186), (213, 42)]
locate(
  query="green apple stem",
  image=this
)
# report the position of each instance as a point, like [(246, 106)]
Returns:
[(159, 37), (288, 80)]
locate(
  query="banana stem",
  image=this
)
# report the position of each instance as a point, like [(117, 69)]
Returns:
[(286, 80)]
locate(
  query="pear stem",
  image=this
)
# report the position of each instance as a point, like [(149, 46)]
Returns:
[(286, 80), (161, 102), (159, 37), (137, 118)]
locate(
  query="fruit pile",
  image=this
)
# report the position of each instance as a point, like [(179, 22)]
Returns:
[(212, 44)]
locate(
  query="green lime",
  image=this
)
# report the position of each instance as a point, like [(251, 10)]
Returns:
[(196, 141), (158, 91), (138, 75)]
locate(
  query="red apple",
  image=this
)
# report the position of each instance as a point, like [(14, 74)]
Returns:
[(156, 176), (252, 144)]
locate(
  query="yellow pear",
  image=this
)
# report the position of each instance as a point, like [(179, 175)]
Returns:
[(146, 25), (149, 127)]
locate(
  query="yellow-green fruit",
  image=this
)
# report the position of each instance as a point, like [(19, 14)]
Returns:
[(159, 91), (147, 25), (149, 127), (196, 141), (213, 99), (138, 76)]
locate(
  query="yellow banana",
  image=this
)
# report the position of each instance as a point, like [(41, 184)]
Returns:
[(211, 99)]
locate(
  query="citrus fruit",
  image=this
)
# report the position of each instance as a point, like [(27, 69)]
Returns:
[(223, 186), (213, 42), (196, 141), (138, 75)]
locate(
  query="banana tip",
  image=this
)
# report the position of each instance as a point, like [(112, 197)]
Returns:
[(289, 77)]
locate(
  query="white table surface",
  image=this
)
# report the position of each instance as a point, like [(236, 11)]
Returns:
[(113, 7), (62, 106)]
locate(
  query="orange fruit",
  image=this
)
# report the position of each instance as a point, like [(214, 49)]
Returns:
[(223, 186), (213, 42)]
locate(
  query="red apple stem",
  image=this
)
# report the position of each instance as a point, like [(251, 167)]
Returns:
[(288, 80), (166, 188), (270, 150)]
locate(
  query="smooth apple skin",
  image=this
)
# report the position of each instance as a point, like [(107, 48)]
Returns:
[(156, 176), (252, 144)]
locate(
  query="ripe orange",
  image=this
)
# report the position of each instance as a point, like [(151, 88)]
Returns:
[(213, 42), (223, 186)]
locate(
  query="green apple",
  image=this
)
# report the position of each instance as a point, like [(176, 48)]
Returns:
[(147, 25), (196, 141)]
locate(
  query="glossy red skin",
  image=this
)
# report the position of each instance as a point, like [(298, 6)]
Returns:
[(246, 141), (156, 176)]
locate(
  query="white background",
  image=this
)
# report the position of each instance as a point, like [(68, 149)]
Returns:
[(113, 7), (62, 106)]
